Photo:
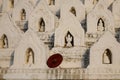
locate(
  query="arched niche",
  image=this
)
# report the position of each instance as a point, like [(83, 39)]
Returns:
[(41, 25), (73, 11), (3, 41), (23, 14), (107, 57), (69, 40), (29, 56), (100, 25)]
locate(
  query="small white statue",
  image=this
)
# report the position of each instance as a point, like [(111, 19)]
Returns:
[(100, 26), (106, 59), (29, 57), (69, 40)]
